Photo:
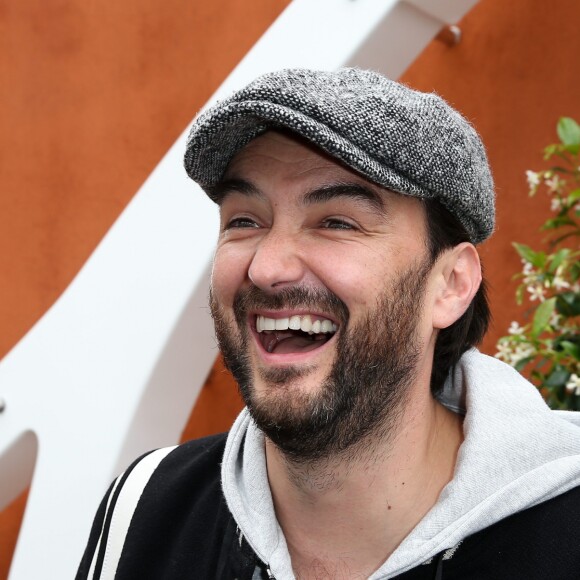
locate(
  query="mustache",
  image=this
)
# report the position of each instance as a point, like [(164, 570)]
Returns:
[(298, 297)]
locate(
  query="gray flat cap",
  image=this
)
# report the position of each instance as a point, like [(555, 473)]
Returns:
[(409, 142)]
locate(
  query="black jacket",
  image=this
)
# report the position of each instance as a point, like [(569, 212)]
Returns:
[(182, 529)]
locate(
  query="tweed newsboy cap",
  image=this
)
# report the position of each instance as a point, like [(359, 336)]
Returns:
[(410, 142)]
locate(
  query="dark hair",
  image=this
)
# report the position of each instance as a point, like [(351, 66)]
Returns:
[(444, 231)]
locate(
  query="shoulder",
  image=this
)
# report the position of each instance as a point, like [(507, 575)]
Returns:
[(537, 543), (167, 498), (181, 520), (186, 473), (197, 455)]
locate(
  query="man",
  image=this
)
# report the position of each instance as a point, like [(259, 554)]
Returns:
[(347, 294)]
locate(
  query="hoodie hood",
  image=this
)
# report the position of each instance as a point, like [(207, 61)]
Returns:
[(516, 453)]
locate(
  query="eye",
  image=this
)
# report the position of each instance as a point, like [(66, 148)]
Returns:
[(241, 223), (338, 224)]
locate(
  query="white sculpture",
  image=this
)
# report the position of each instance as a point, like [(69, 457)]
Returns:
[(114, 367)]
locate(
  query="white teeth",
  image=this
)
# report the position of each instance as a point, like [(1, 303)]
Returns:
[(293, 323), (303, 323), (306, 324), (326, 326)]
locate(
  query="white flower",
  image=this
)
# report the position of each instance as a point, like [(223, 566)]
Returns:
[(514, 353), (515, 328), (555, 204), (528, 267), (503, 351), (553, 184), (560, 283), (573, 384), (536, 292), (554, 321), (533, 178), (521, 352), (529, 272)]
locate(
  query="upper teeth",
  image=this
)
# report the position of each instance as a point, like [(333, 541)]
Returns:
[(303, 323)]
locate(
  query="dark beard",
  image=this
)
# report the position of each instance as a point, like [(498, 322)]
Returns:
[(364, 393)]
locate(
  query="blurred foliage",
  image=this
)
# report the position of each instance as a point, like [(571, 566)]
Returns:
[(548, 344)]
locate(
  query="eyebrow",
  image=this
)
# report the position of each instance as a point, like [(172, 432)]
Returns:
[(226, 187), (355, 191), (321, 194)]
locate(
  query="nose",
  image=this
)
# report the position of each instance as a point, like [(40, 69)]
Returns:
[(277, 262)]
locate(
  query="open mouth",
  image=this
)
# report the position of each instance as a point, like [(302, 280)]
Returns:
[(294, 334)]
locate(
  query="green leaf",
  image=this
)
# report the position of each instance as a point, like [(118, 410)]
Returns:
[(519, 366), (558, 377), (559, 169), (557, 259), (557, 222), (524, 251), (573, 196), (540, 260), (560, 239), (537, 259), (570, 348), (542, 316), (550, 150), (568, 304), (542, 362), (568, 131)]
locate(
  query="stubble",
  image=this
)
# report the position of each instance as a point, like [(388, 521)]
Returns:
[(360, 401)]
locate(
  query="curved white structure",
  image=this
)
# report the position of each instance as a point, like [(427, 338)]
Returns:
[(114, 367)]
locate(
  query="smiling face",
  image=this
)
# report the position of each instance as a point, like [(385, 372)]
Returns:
[(317, 295)]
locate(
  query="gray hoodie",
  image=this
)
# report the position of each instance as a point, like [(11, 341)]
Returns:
[(516, 453)]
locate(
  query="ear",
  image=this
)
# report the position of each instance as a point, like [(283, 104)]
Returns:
[(457, 283)]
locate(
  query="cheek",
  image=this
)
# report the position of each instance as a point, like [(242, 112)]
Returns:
[(361, 274), (356, 277), (229, 273)]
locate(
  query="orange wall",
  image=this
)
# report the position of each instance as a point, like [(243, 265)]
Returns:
[(95, 93), (514, 74)]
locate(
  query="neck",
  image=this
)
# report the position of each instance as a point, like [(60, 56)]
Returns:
[(346, 514)]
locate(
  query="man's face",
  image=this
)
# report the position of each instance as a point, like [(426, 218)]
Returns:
[(318, 289)]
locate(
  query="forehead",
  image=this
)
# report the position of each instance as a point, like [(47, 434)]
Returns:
[(283, 167), (283, 154)]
